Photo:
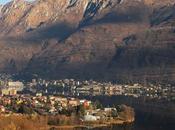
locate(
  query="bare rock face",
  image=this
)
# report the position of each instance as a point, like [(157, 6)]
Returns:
[(21, 16), (30, 16), (1, 6), (11, 16), (159, 2), (126, 40)]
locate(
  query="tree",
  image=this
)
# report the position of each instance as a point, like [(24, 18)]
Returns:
[(25, 109), (80, 110), (98, 105), (114, 113)]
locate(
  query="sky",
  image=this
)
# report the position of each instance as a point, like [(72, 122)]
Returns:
[(5, 1)]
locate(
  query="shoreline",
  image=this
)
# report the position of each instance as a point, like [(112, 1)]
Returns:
[(20, 119), (93, 125)]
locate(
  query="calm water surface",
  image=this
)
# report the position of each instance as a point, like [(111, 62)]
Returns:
[(143, 121)]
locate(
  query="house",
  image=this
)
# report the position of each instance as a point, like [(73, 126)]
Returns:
[(2, 108), (17, 85), (109, 109), (8, 91), (38, 94), (90, 118), (97, 90), (74, 102), (85, 103), (52, 110)]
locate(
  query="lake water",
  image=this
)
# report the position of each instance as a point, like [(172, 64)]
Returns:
[(144, 120)]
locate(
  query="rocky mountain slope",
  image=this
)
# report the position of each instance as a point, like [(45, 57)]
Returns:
[(126, 40), (1, 6)]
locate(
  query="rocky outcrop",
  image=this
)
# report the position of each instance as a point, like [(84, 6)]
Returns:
[(21, 16), (1, 6), (164, 16), (11, 16)]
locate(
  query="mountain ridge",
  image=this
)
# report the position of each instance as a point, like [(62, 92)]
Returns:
[(99, 39)]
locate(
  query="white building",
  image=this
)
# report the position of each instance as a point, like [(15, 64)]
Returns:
[(17, 85), (90, 118)]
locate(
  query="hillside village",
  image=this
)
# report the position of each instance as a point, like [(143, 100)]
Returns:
[(54, 105)]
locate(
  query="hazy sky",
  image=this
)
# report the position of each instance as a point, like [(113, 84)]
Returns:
[(5, 1)]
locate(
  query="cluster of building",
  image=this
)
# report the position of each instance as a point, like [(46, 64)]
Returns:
[(94, 88), (43, 105), (71, 87), (53, 105), (11, 88)]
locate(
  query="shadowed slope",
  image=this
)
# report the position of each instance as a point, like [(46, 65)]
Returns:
[(107, 40)]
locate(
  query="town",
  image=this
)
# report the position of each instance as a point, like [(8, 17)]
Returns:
[(67, 98), (59, 112), (55, 105), (71, 87), (38, 98)]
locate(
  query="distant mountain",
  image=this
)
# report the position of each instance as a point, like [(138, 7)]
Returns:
[(125, 40)]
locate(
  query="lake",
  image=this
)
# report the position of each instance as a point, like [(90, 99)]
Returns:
[(149, 115)]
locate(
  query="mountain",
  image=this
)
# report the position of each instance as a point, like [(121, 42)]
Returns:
[(1, 6), (124, 40)]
